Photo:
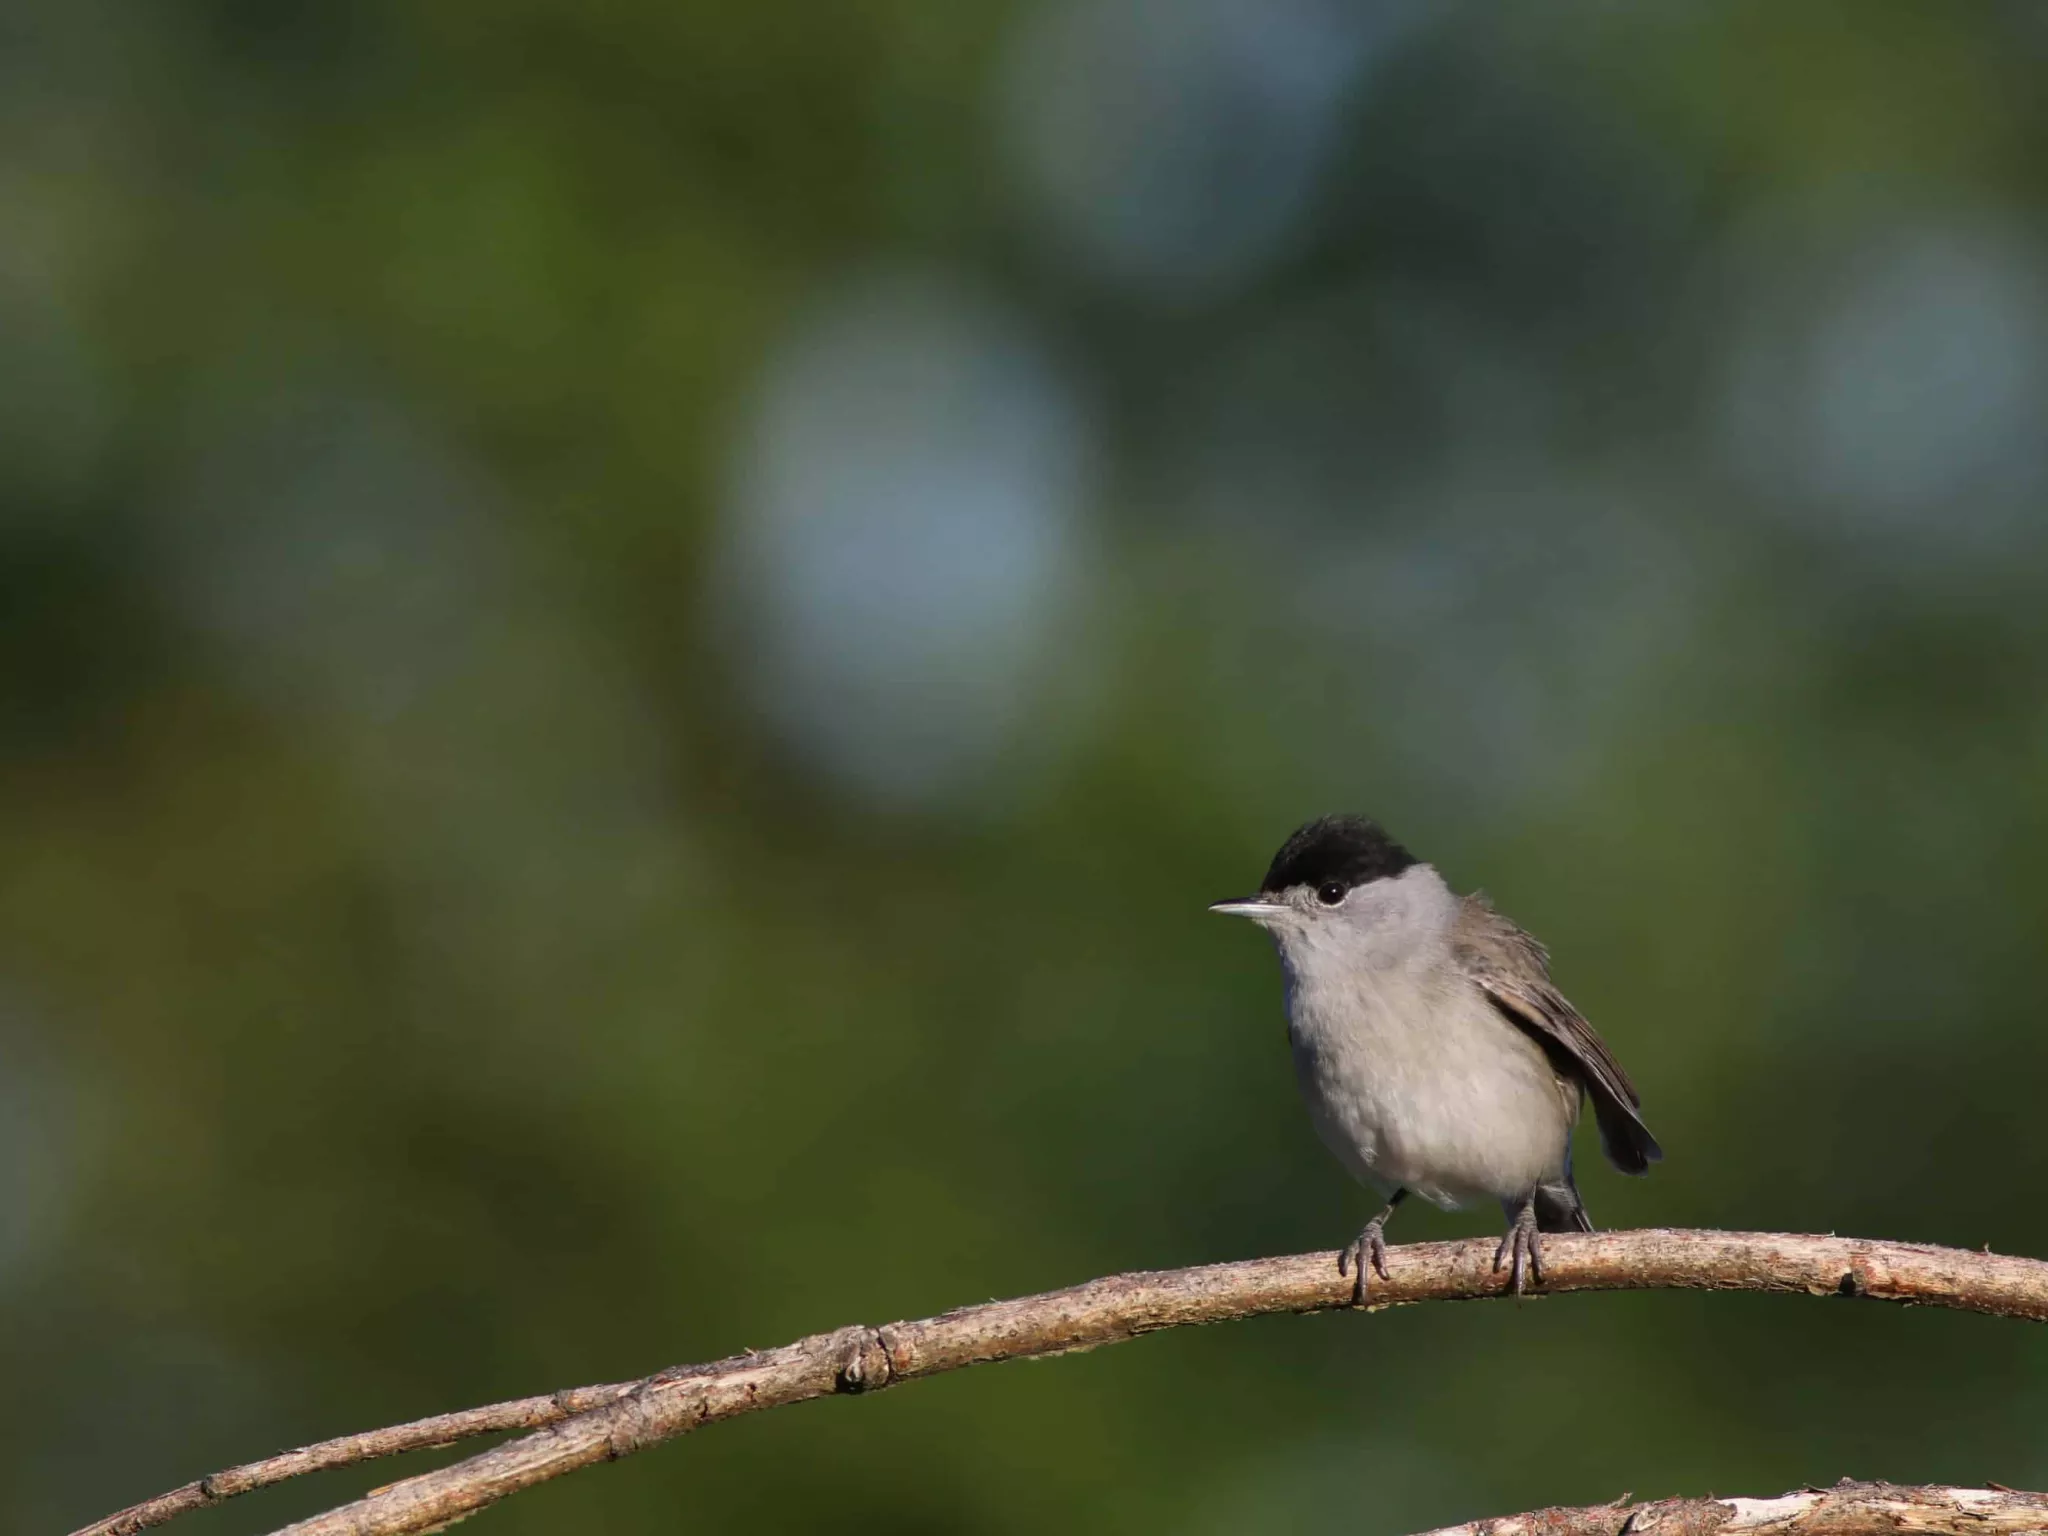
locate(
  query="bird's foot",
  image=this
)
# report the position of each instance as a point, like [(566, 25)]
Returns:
[(1522, 1248), (1369, 1249)]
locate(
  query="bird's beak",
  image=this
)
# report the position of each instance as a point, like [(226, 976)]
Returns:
[(1257, 908)]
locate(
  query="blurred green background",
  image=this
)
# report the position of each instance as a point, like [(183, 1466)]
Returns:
[(632, 636)]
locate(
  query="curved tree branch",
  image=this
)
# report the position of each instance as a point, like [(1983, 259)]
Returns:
[(325, 1455), (593, 1424), (1847, 1509)]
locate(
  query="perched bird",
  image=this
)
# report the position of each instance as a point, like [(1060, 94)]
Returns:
[(1435, 1055)]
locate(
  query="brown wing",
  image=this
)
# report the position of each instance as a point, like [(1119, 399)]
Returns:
[(1514, 970)]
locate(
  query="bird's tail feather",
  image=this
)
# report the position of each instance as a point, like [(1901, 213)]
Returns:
[(1626, 1140), (1559, 1209)]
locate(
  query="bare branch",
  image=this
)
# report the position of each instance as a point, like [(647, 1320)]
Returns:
[(419, 1435), (1847, 1509), (595, 1424)]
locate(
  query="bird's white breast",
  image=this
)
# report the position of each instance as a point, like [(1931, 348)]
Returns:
[(1411, 1076)]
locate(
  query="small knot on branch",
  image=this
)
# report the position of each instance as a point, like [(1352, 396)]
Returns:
[(864, 1361)]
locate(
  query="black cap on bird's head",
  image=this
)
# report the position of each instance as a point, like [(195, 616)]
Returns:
[(1346, 850), (1332, 856)]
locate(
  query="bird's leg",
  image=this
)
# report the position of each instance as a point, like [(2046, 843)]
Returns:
[(1523, 1244), (1369, 1249)]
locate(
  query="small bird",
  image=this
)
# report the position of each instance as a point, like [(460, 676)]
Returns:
[(1434, 1054)]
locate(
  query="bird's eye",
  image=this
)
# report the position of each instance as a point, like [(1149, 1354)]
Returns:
[(1331, 893)]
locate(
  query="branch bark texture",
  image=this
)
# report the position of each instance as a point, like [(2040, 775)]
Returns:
[(1847, 1509), (592, 1424)]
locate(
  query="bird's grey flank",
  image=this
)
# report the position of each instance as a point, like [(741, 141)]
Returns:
[(1434, 1054)]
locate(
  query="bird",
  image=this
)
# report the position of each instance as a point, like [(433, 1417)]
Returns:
[(1434, 1053)]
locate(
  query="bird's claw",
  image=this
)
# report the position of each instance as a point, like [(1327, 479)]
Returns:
[(1370, 1248), (1521, 1248)]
